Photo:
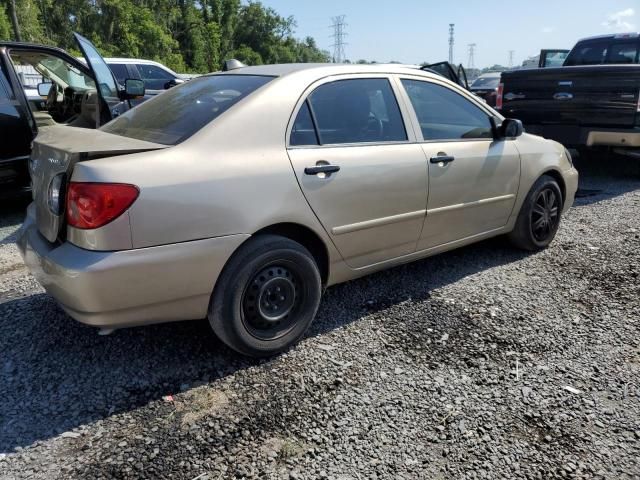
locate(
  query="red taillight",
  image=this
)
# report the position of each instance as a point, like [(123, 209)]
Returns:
[(92, 205), (499, 96)]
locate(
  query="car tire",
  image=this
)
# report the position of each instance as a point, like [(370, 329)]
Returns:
[(266, 297), (539, 216)]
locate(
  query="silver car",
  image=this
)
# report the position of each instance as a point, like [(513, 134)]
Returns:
[(239, 196)]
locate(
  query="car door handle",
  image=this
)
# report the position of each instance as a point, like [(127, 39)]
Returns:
[(563, 96), (321, 169), (442, 159)]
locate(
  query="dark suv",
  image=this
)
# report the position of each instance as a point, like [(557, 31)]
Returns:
[(71, 93)]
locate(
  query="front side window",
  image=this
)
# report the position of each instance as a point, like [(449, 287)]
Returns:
[(355, 111), (155, 78), (444, 114), (182, 111), (591, 53)]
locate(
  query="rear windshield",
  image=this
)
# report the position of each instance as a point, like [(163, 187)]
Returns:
[(486, 82), (175, 115)]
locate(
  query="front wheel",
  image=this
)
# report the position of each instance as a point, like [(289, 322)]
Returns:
[(539, 216), (266, 297)]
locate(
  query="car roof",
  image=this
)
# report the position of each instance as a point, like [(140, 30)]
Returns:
[(325, 69), (490, 74), (132, 60), (611, 36)]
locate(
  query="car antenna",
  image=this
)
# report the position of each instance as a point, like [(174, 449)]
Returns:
[(232, 64)]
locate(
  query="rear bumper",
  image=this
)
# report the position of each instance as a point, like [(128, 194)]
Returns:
[(576, 136), (128, 287)]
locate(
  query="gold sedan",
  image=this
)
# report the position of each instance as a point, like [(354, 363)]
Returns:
[(238, 196)]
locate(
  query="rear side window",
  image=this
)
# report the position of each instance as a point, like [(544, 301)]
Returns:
[(591, 53), (304, 132), (4, 83), (351, 111), (180, 112), (623, 53), (444, 114), (120, 72)]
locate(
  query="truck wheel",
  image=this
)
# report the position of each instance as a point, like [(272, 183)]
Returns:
[(266, 297), (539, 216)]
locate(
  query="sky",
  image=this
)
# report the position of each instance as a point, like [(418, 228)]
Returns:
[(413, 31)]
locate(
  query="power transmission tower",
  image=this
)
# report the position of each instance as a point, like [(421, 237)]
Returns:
[(451, 41), (472, 50), (511, 52), (339, 35)]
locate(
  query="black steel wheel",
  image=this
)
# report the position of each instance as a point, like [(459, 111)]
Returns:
[(539, 217), (271, 301), (545, 214), (266, 297)]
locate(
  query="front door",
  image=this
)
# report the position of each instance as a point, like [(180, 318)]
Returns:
[(360, 170), (107, 87), (473, 178)]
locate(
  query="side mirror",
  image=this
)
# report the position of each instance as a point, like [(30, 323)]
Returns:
[(509, 128), (44, 89), (172, 83), (133, 88)]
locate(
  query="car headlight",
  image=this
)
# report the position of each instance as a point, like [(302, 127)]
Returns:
[(56, 192)]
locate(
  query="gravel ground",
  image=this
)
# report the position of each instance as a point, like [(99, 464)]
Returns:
[(480, 363)]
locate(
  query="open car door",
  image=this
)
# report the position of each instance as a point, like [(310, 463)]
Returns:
[(552, 58), (111, 103), (450, 72)]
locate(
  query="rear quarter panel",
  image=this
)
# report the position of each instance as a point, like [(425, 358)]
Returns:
[(232, 177)]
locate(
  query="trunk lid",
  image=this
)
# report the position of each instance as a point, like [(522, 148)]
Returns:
[(603, 95), (55, 152)]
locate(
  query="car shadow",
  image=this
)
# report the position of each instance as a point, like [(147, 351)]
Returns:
[(58, 374), (606, 175)]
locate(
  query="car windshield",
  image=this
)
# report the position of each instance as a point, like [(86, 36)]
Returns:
[(182, 111), (486, 82), (52, 68)]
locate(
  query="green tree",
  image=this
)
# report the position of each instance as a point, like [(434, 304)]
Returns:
[(5, 24), (187, 35)]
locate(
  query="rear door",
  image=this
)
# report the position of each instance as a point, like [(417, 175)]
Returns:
[(112, 105), (360, 170), (473, 179)]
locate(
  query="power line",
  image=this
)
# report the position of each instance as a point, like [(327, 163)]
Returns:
[(339, 35), (472, 51), (451, 41)]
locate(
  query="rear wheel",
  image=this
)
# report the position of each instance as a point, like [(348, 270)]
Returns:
[(266, 297), (539, 216)]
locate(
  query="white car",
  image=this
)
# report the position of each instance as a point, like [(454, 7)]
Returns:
[(156, 76)]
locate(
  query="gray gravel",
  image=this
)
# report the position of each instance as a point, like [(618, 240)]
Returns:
[(480, 363)]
